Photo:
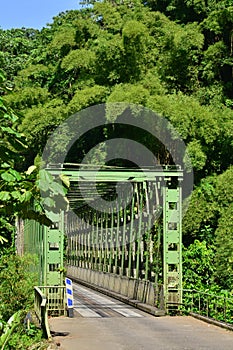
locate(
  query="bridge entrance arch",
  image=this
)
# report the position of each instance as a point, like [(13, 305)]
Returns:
[(118, 219)]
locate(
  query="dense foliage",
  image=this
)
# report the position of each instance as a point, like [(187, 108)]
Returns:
[(17, 189), (16, 285), (16, 295), (174, 57)]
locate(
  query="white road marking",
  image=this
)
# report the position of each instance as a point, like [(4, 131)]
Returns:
[(118, 307), (83, 310)]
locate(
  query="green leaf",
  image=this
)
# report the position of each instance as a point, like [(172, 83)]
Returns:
[(2, 78), (4, 196), (11, 175), (44, 180), (16, 174), (5, 165), (7, 154), (65, 179), (16, 195), (57, 188), (3, 239), (17, 144), (26, 196), (31, 169), (9, 130), (7, 177), (45, 176), (43, 185), (48, 202)]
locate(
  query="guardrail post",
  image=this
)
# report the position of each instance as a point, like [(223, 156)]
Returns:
[(210, 306), (225, 307), (40, 303)]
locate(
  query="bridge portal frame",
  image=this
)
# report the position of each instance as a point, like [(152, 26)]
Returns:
[(172, 214)]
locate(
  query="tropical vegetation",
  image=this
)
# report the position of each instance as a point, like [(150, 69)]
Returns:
[(173, 57)]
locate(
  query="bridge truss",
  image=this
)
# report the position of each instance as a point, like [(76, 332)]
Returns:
[(124, 237), (117, 221)]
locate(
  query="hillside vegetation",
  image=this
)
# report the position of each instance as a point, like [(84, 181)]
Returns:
[(174, 57)]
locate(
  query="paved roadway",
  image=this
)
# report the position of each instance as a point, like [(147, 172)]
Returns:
[(103, 323)]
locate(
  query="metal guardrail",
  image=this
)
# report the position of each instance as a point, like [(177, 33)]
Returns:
[(40, 306), (216, 307), (56, 299)]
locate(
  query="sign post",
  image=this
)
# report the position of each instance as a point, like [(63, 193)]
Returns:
[(69, 297)]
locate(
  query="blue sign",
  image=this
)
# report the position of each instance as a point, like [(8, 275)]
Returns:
[(69, 293)]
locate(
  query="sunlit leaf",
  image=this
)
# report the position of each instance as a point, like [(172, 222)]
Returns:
[(16, 174), (3, 240), (26, 196), (65, 179), (16, 195), (7, 177), (4, 196), (31, 169)]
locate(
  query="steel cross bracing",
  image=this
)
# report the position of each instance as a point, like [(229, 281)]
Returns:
[(125, 239)]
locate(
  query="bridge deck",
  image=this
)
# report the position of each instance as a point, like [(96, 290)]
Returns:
[(102, 323)]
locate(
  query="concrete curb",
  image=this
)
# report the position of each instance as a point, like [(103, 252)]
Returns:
[(136, 303), (212, 321)]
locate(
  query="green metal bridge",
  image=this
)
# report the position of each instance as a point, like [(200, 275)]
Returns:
[(122, 232), (123, 238)]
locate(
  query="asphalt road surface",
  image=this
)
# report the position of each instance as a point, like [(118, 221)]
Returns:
[(103, 323)]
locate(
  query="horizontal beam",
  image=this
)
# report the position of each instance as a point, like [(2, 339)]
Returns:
[(118, 175)]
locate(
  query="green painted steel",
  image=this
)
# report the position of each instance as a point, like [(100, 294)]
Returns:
[(126, 239), (108, 174), (46, 244), (54, 250), (172, 245), (33, 243), (41, 312)]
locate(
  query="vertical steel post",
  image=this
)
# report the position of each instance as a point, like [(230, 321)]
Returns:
[(140, 206), (117, 240), (131, 229), (123, 248), (53, 241), (111, 257), (172, 245)]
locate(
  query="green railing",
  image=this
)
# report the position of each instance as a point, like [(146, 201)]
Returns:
[(216, 307), (41, 311), (56, 300)]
